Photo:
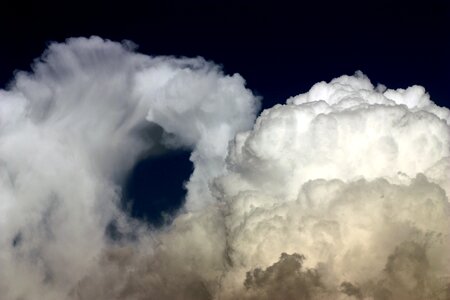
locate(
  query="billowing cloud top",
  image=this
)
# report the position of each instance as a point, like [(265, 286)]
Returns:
[(341, 193)]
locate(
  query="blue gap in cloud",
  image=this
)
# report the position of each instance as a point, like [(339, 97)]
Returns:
[(154, 190)]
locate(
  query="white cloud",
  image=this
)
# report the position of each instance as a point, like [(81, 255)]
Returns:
[(354, 177), (70, 131), (337, 175)]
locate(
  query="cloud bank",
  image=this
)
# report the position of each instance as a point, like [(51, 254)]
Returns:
[(341, 193)]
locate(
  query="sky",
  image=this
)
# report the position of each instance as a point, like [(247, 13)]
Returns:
[(225, 150), (397, 43)]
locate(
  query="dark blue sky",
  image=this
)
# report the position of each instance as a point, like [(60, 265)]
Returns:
[(280, 49)]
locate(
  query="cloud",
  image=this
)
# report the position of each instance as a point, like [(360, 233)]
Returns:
[(348, 232), (337, 175), (70, 131), (341, 193), (285, 279)]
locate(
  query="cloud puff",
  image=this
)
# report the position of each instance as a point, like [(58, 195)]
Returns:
[(347, 231), (337, 175), (73, 127), (341, 193)]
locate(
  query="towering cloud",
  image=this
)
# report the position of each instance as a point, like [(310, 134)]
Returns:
[(337, 175), (341, 193)]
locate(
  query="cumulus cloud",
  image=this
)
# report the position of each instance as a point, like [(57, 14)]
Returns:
[(341, 193), (347, 231), (73, 127)]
